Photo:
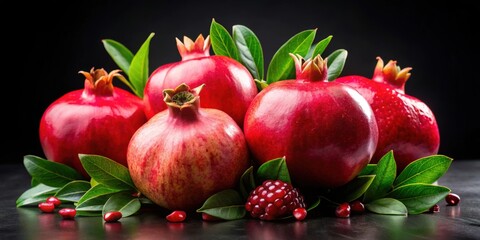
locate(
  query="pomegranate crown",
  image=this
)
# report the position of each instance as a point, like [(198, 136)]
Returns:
[(189, 49), (182, 96), (313, 69), (391, 74), (99, 81)]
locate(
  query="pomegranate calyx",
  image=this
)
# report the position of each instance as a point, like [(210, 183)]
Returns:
[(189, 49), (99, 81), (182, 96), (313, 69), (391, 74)]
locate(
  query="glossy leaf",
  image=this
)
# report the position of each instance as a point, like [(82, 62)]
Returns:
[(273, 170), (247, 183), (37, 194), (281, 66), (419, 197), (96, 213), (353, 189), (107, 172), (335, 63), (120, 54), (73, 191), (383, 182), (424, 170), (368, 170), (319, 48), (122, 202), (249, 49), (221, 41), (48, 172), (227, 204), (388, 206), (95, 198), (138, 72)]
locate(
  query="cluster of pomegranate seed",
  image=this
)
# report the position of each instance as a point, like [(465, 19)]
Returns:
[(51, 203), (275, 199)]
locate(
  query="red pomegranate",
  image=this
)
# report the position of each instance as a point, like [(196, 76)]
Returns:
[(99, 119), (406, 125), (326, 130), (230, 86), (182, 156)]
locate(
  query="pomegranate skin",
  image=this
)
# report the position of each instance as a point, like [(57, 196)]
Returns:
[(90, 121), (197, 67), (406, 125), (182, 156), (325, 130)]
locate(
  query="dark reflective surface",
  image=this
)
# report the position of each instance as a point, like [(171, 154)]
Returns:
[(452, 222)]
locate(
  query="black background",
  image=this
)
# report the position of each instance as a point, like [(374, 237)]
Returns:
[(47, 44)]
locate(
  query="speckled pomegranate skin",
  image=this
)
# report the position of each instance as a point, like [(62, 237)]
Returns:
[(406, 125)]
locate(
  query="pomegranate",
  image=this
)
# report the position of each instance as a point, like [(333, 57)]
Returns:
[(197, 67), (182, 156), (326, 130), (99, 119), (406, 125)]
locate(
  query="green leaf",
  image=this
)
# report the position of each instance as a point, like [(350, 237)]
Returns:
[(34, 195), (48, 172), (353, 189), (388, 206), (138, 72), (107, 172), (73, 191), (368, 170), (227, 205), (250, 50), (89, 213), (319, 48), (261, 84), (335, 63), (34, 182), (419, 197), (123, 202), (221, 41), (424, 170), (383, 182), (281, 66), (273, 170), (93, 182), (120, 54), (247, 183), (95, 198)]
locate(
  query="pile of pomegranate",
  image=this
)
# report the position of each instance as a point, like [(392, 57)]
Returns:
[(203, 122)]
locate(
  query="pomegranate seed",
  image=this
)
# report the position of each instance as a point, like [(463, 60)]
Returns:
[(357, 207), (67, 213), (176, 216), (343, 210), (46, 207), (210, 218), (112, 216), (54, 200), (300, 213), (452, 199), (435, 208)]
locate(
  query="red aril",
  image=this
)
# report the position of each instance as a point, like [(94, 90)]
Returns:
[(112, 216), (229, 85), (325, 130), (99, 119), (54, 200), (176, 216), (406, 125), (46, 207), (67, 213), (182, 156)]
